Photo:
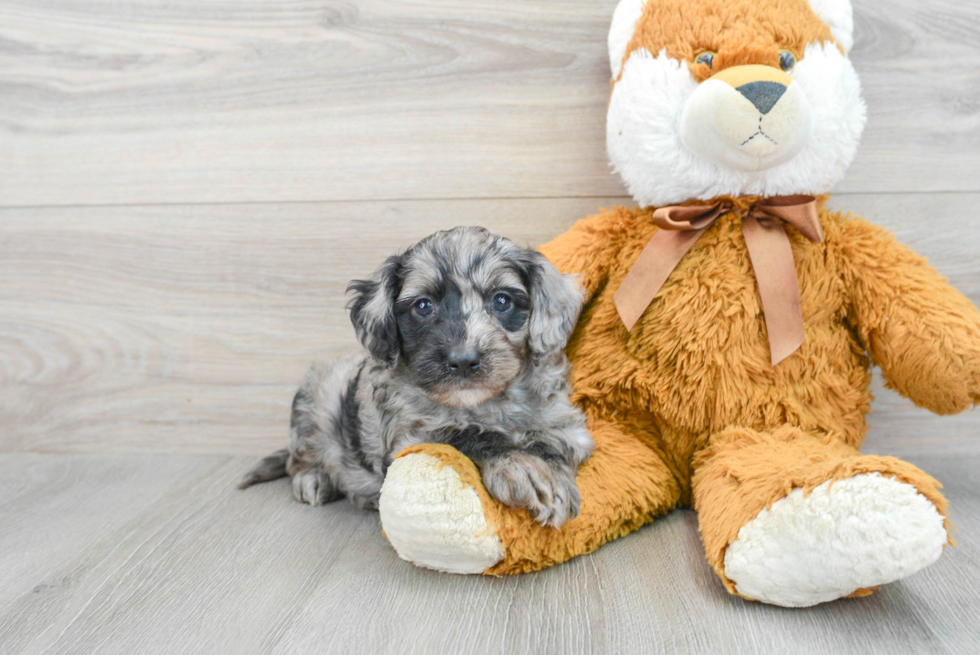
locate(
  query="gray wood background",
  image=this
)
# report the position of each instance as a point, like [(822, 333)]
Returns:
[(185, 190)]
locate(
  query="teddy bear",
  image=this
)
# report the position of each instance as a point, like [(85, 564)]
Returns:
[(731, 319)]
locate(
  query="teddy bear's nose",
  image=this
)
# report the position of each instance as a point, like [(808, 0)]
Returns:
[(764, 95)]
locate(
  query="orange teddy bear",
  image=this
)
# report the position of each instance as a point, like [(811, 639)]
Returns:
[(730, 323)]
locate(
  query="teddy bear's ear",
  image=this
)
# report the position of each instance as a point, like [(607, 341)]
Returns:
[(839, 17), (621, 31)]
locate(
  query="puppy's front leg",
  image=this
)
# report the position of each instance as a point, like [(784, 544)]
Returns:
[(533, 475)]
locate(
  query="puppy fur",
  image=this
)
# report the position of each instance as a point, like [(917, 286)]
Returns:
[(465, 335)]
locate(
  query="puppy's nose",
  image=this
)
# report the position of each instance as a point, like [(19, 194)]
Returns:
[(464, 362), (764, 95)]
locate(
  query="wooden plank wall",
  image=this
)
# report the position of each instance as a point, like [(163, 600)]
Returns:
[(186, 187)]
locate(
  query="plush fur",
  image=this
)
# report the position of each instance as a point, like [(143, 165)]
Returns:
[(649, 129), (686, 408), (774, 561)]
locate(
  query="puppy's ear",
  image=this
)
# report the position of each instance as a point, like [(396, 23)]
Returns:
[(556, 301), (372, 310)]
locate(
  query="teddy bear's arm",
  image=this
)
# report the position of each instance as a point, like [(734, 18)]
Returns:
[(588, 248), (923, 333)]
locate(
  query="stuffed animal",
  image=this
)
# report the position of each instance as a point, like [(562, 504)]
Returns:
[(731, 320)]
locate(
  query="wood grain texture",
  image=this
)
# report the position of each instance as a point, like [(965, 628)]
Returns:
[(185, 329), (196, 566), (136, 101)]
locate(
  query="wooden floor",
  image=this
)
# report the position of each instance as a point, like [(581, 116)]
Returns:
[(160, 554), (185, 190)]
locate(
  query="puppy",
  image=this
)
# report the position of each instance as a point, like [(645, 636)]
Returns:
[(465, 335)]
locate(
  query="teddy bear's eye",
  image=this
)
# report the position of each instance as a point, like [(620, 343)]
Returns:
[(707, 58), (787, 60)]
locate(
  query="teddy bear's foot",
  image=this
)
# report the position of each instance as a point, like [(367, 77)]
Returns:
[(846, 535), (437, 513), (436, 520)]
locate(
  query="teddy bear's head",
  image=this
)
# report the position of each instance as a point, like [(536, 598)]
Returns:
[(731, 97)]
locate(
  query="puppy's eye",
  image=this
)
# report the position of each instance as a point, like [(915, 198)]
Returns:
[(422, 307), (787, 60), (707, 58), (501, 303)]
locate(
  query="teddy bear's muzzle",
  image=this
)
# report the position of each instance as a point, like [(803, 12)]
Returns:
[(749, 118)]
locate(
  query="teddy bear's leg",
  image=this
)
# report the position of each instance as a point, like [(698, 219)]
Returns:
[(795, 519), (436, 512)]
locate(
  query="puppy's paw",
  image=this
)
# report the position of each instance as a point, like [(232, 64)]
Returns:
[(314, 487), (547, 490)]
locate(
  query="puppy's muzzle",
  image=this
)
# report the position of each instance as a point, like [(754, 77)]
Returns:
[(464, 362), (747, 117)]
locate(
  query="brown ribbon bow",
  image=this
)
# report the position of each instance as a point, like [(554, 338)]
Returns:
[(769, 250)]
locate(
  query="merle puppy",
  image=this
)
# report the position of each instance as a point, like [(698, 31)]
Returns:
[(465, 335)]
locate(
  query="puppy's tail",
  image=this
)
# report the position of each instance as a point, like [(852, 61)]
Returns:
[(270, 468)]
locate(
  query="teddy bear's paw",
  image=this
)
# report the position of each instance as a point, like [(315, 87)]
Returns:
[(434, 520), (851, 534)]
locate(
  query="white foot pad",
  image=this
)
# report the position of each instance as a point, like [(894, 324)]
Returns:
[(434, 520), (858, 532)]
